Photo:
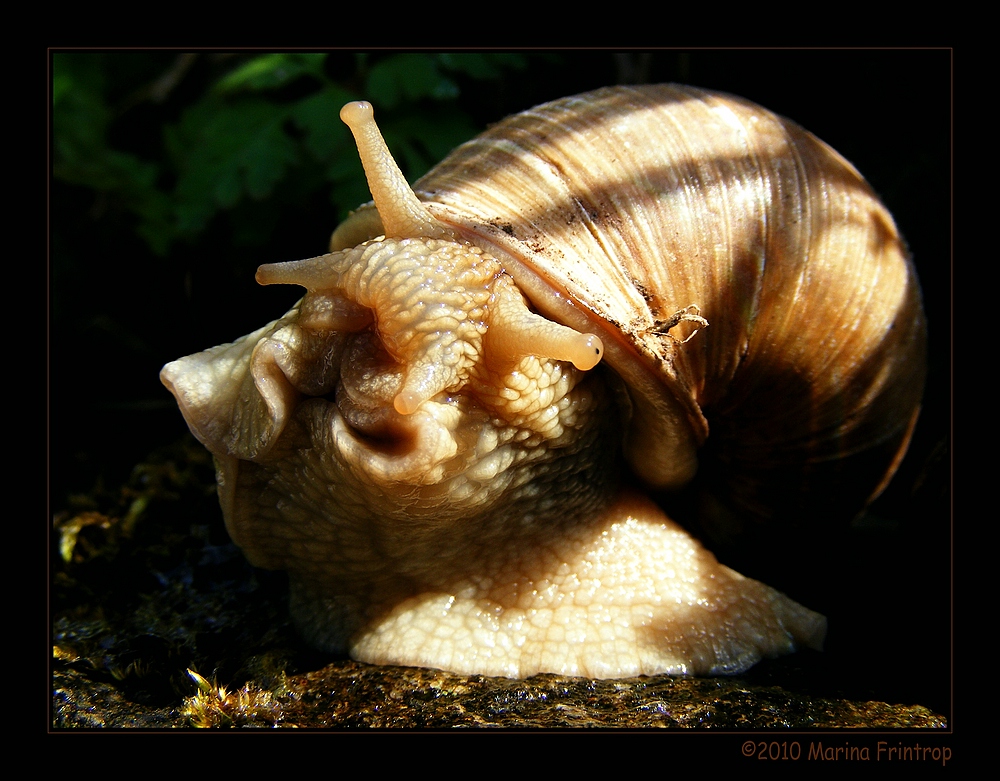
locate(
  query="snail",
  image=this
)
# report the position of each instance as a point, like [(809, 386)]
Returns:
[(453, 440)]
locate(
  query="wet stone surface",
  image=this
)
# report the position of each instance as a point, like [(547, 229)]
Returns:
[(348, 695)]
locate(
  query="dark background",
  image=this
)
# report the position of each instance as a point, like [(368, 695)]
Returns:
[(121, 305)]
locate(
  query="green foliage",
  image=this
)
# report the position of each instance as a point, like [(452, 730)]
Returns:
[(241, 129), (82, 154), (270, 71)]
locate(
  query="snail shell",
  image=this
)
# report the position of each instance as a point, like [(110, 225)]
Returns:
[(447, 441)]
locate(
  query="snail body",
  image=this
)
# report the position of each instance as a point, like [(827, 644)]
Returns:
[(448, 442)]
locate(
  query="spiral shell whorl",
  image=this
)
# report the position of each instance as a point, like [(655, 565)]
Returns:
[(813, 362)]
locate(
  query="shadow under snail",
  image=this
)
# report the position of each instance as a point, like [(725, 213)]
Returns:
[(450, 441)]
